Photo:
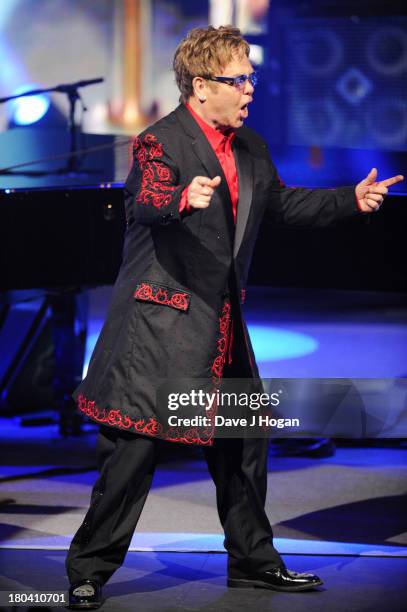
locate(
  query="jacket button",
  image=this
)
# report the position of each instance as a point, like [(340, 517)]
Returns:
[(166, 218)]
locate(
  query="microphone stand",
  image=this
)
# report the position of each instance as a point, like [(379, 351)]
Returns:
[(72, 91)]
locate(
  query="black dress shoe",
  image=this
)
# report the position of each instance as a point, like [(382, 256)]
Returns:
[(85, 595), (279, 579)]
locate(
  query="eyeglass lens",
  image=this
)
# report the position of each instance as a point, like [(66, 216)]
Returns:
[(241, 80)]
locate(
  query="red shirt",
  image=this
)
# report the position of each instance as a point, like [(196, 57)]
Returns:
[(221, 143)]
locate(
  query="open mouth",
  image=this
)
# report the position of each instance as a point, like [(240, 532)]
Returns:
[(244, 111)]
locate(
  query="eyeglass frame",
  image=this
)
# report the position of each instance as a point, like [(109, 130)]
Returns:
[(234, 81)]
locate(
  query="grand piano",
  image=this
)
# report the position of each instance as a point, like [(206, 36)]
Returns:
[(61, 233)]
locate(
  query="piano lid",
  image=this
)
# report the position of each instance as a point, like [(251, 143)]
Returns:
[(105, 159)]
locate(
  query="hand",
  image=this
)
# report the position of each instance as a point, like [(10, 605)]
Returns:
[(370, 193), (201, 190)]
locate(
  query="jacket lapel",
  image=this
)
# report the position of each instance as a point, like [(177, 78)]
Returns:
[(207, 157), (244, 169)]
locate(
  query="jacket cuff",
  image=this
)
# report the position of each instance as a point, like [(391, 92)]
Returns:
[(358, 206), (350, 203), (183, 202)]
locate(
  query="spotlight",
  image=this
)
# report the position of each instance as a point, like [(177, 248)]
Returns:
[(30, 109)]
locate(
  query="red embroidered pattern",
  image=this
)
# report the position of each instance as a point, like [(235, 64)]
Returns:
[(116, 418), (224, 328), (154, 293), (152, 427), (225, 322), (242, 296), (156, 178)]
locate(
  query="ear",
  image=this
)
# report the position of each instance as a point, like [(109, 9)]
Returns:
[(199, 87)]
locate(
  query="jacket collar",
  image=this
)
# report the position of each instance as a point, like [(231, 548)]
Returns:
[(216, 137)]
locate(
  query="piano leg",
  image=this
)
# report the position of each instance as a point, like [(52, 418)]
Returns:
[(69, 320)]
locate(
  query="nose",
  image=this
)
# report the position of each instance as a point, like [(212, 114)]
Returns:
[(248, 88)]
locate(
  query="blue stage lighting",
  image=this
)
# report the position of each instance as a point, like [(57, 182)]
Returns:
[(273, 344), (28, 110)]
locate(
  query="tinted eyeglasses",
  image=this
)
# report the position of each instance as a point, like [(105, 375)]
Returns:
[(239, 81)]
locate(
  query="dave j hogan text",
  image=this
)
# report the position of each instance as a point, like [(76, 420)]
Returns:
[(257, 420)]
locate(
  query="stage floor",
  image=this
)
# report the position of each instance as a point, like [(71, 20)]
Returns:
[(343, 517), (179, 582)]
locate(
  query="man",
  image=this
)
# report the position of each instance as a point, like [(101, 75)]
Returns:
[(199, 189)]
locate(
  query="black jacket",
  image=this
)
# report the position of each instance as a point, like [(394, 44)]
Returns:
[(183, 275)]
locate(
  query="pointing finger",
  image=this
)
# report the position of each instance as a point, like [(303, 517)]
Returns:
[(392, 181), (202, 180)]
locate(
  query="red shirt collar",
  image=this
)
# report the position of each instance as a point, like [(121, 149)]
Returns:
[(215, 137)]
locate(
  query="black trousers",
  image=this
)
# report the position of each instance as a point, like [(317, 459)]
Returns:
[(127, 463)]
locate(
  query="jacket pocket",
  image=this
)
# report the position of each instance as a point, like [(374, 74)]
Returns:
[(148, 291)]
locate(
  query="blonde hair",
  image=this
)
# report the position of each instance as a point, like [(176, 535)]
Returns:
[(205, 52)]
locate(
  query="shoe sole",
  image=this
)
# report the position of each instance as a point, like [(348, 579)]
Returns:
[(241, 583)]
